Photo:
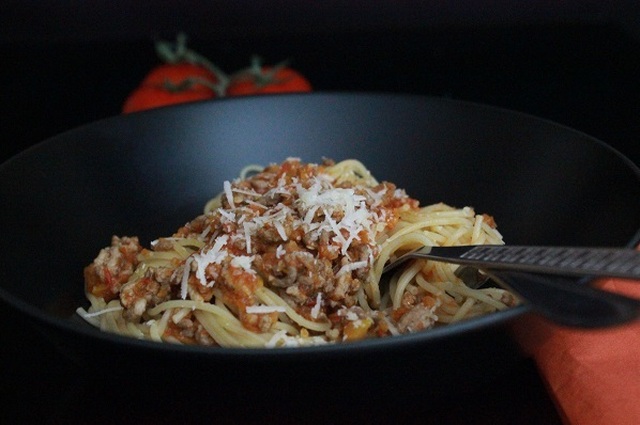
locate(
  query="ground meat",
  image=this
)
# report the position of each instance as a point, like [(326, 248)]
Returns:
[(298, 271), (269, 235), (288, 228), (418, 318), (163, 244), (194, 228), (112, 267), (139, 295), (202, 337), (164, 275), (262, 182)]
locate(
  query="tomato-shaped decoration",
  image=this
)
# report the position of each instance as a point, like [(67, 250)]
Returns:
[(171, 84)]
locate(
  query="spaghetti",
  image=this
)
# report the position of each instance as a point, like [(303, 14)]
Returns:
[(292, 255)]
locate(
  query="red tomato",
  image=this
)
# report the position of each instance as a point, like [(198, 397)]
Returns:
[(266, 80), (166, 85)]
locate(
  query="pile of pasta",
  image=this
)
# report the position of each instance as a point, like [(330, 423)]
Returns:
[(292, 255)]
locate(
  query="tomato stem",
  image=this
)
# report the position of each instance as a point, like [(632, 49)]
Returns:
[(258, 74), (176, 52)]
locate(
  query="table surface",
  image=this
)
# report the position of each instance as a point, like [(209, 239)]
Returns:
[(583, 76)]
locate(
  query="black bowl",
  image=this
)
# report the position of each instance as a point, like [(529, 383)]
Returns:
[(148, 173)]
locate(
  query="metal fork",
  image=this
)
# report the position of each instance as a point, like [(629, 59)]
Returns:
[(547, 278)]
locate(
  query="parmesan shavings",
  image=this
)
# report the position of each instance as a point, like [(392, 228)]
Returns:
[(347, 268), (315, 311), (338, 202), (205, 232), (214, 256), (247, 236), (265, 309), (311, 212), (348, 314), (255, 204), (281, 231), (185, 278), (243, 262), (227, 214), (228, 193), (246, 192)]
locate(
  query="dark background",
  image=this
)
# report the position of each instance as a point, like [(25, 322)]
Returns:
[(67, 63)]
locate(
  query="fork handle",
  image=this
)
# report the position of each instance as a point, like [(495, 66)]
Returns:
[(567, 302), (613, 262)]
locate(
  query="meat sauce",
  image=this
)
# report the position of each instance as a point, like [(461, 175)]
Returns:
[(289, 228)]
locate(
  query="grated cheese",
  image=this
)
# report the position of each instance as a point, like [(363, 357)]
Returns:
[(315, 311), (349, 267), (243, 262), (205, 232), (247, 236), (338, 202), (280, 228), (214, 256), (265, 309), (228, 193), (255, 204), (246, 192), (348, 314), (227, 214), (311, 212), (185, 278)]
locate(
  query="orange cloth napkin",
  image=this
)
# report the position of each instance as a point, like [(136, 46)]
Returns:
[(592, 375)]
